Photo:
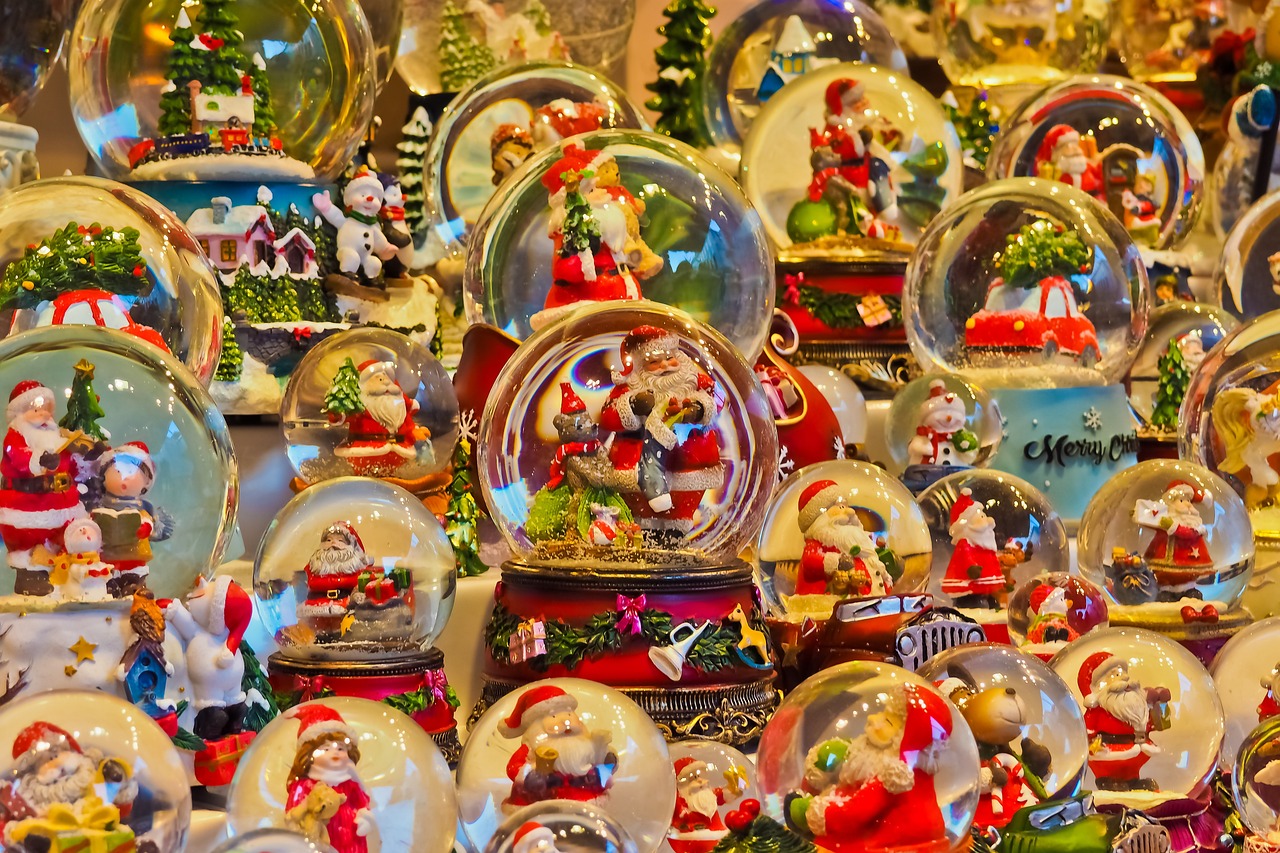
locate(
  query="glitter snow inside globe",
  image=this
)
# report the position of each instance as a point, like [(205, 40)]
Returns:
[(940, 424), (502, 120), (91, 772), (1024, 720), (772, 43), (1121, 142), (1255, 780), (627, 434), (85, 251), (1246, 673), (370, 402), (1052, 609), (1249, 266), (269, 89), (560, 826), (1178, 337), (1115, 674), (712, 780), (620, 215), (272, 841), (861, 724), (566, 739), (354, 774), (817, 198)]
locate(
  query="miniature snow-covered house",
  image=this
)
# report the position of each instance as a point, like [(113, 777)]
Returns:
[(793, 55), (232, 235), (298, 251)]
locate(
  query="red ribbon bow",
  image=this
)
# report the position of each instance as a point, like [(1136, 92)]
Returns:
[(792, 293), (1208, 615), (211, 42), (629, 614), (311, 685), (302, 334), (435, 681)]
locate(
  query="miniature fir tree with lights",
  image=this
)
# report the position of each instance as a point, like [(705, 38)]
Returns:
[(184, 66), (343, 396), (462, 516), (677, 93), (976, 127), (1175, 376), (412, 149), (1042, 250), (231, 364), (581, 231), (84, 409), (218, 32), (462, 58), (752, 832), (75, 257)]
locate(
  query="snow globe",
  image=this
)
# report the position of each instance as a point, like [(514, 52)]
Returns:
[(626, 454), (990, 532), (116, 783), (566, 739), (938, 425), (355, 774), (1028, 727), (272, 841), (712, 781), (93, 252), (33, 40), (1249, 266), (617, 215), (844, 397), (355, 580), (1151, 707), (1165, 44), (1178, 337), (371, 403), (1030, 288), (1255, 774), (865, 723), (1247, 677), (771, 44), (560, 826), (1052, 609), (502, 120)]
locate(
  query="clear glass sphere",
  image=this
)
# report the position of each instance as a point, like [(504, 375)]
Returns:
[(695, 491), (1050, 610), (1119, 141), (845, 398), (96, 252), (1178, 337), (1244, 282), (1026, 283), (386, 24), (1254, 777), (503, 119), (354, 569), (1008, 696), (1008, 43), (941, 423), (272, 841), (816, 196), (373, 403), (375, 756), (535, 728), (1166, 43), (775, 42), (563, 826), (825, 512), (31, 44), (1246, 674), (857, 722), (130, 777), (1183, 724), (157, 468), (659, 221), (712, 780), (309, 66), (990, 531)]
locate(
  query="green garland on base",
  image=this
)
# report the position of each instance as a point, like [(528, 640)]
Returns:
[(839, 310), (421, 699)]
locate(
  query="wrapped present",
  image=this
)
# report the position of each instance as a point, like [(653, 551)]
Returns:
[(402, 577), (90, 826), (381, 590), (217, 762), (874, 311), (778, 390), (529, 641)]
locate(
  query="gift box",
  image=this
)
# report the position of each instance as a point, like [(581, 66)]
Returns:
[(217, 762)]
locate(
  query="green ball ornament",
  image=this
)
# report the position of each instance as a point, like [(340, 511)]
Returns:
[(831, 755), (810, 220)]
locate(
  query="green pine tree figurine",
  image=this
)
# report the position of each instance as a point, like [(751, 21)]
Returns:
[(463, 515), (218, 29), (343, 396), (231, 363), (761, 834), (84, 409), (581, 231), (185, 65), (1042, 250), (463, 59), (1172, 388), (261, 699), (75, 257), (412, 150), (264, 116), (241, 295), (677, 93)]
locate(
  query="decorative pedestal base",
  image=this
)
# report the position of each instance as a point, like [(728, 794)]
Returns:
[(1203, 633), (414, 683)]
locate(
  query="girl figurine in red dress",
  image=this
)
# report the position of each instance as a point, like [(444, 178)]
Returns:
[(326, 801)]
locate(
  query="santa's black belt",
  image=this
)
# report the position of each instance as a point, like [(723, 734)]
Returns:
[(45, 483), (365, 436), (1118, 739)]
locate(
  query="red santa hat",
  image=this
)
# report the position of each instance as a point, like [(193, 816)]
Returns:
[(1095, 668), (1047, 598), (567, 118), (927, 720), (374, 366), (315, 720), (689, 768), (570, 402), (965, 506), (817, 498), (346, 531), (230, 610), (841, 93), (134, 452), (44, 737), (24, 395), (939, 398), (534, 704), (641, 341), (1058, 137), (530, 836), (1181, 490), (572, 159)]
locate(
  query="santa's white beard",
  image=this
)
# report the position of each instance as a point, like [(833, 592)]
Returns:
[(44, 437), (978, 532), (1187, 518), (703, 801), (865, 761), (1126, 701), (1073, 164), (842, 536), (65, 789), (576, 754), (338, 561), (388, 409), (682, 380)]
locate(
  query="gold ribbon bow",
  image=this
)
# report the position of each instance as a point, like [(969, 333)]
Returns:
[(91, 818)]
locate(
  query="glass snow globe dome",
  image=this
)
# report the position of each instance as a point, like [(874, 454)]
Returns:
[(562, 490), (86, 251), (1254, 776), (175, 90), (562, 825), (31, 44), (618, 215), (1026, 283), (1179, 336), (354, 569)]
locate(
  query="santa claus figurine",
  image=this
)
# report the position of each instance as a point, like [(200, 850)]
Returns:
[(333, 574), (839, 556), (533, 837), (696, 826), (1270, 705), (38, 494), (326, 801), (974, 576), (662, 411), (51, 768), (563, 118), (211, 625), (1179, 551), (559, 758), (876, 792), (382, 434), (1062, 157), (1119, 718)]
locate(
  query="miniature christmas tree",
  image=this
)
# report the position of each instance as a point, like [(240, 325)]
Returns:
[(326, 239), (677, 93), (1042, 250), (185, 65), (539, 17), (437, 340), (462, 516), (412, 149), (261, 702), (462, 58), (84, 409), (581, 231), (75, 257), (756, 833), (231, 364), (1172, 388), (975, 126), (218, 32), (241, 295), (343, 396), (264, 117)]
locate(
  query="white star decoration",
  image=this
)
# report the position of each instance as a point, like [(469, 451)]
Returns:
[(1093, 419)]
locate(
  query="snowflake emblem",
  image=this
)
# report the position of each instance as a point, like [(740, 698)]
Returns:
[(1262, 70), (467, 426), (839, 445), (785, 463), (1093, 419)]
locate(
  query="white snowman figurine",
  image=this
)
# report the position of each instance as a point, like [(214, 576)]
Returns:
[(941, 438), (84, 576), (362, 247)]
